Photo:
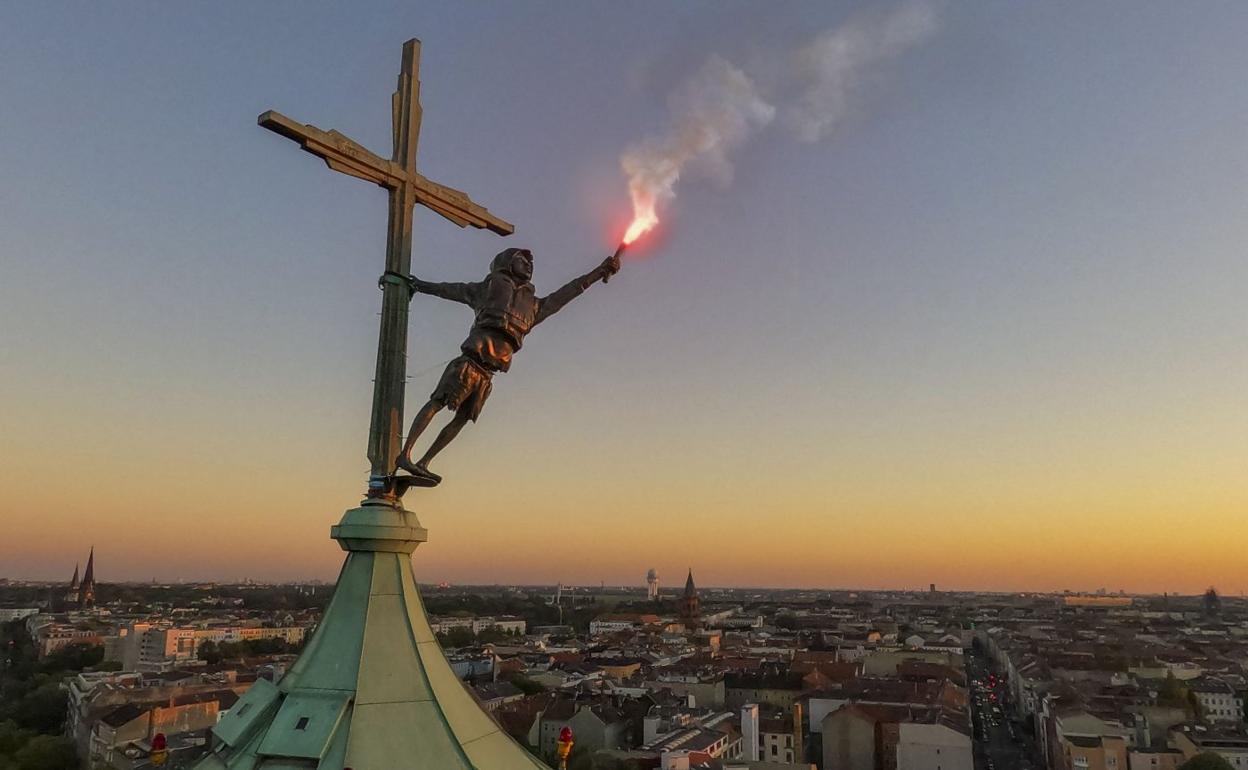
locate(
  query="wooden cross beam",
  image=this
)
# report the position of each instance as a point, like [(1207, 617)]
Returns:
[(407, 189)]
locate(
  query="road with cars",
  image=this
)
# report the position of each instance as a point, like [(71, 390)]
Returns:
[(999, 743)]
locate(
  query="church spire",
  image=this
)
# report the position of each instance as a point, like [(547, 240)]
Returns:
[(86, 592), (690, 605), (71, 594), (372, 687)]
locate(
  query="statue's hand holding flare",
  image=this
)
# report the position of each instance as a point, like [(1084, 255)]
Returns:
[(611, 265)]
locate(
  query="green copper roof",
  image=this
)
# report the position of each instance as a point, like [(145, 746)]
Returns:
[(372, 689)]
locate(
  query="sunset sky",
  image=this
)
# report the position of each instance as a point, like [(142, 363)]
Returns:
[(989, 333)]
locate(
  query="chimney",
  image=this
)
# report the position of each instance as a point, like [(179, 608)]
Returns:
[(749, 730)]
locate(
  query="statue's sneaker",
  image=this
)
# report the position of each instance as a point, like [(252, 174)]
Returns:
[(401, 463), (425, 473)]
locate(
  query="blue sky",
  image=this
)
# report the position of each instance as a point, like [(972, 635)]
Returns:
[(1004, 300)]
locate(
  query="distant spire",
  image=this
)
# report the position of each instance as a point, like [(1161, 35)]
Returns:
[(86, 592), (73, 584), (690, 604)]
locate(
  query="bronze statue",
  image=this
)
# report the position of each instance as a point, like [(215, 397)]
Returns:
[(507, 309)]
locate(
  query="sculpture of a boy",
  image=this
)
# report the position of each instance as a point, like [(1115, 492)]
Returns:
[(507, 308)]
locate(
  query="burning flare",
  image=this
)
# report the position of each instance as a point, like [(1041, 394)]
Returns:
[(712, 113), (644, 217), (719, 107)]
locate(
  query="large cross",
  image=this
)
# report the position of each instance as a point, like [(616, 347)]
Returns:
[(407, 188)]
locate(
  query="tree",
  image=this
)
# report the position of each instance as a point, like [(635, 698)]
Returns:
[(209, 652), (47, 752), (273, 645), (214, 652), (524, 684), (42, 709), (72, 658), (1173, 693), (494, 635), (1206, 761), (1193, 705), (457, 637), (12, 737)]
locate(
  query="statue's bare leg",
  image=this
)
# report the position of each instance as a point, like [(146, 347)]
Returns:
[(419, 423), (447, 435)]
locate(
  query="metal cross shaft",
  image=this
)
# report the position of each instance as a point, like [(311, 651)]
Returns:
[(407, 189)]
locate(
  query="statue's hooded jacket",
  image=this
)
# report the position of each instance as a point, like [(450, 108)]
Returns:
[(506, 308)]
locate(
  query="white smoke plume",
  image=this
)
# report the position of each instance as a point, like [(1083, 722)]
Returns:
[(832, 66), (717, 109), (712, 113)]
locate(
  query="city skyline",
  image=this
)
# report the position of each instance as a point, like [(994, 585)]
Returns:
[(988, 334), (665, 591)]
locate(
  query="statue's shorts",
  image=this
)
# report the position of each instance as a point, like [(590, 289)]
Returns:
[(464, 387)]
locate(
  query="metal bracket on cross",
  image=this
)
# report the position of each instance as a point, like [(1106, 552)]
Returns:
[(392, 277)]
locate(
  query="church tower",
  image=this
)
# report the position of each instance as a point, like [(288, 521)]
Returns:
[(372, 689), (690, 604), (86, 591), (71, 595)]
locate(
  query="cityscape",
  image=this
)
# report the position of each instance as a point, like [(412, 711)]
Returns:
[(676, 676), (628, 385)]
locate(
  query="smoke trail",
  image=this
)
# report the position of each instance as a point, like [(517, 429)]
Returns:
[(720, 107), (831, 66), (712, 113)]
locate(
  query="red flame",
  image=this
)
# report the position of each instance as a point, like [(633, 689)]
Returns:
[(643, 222), (645, 217)]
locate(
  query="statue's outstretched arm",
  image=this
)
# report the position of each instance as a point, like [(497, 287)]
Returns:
[(467, 293), (554, 302)]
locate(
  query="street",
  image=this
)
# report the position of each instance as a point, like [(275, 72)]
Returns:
[(999, 743)]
